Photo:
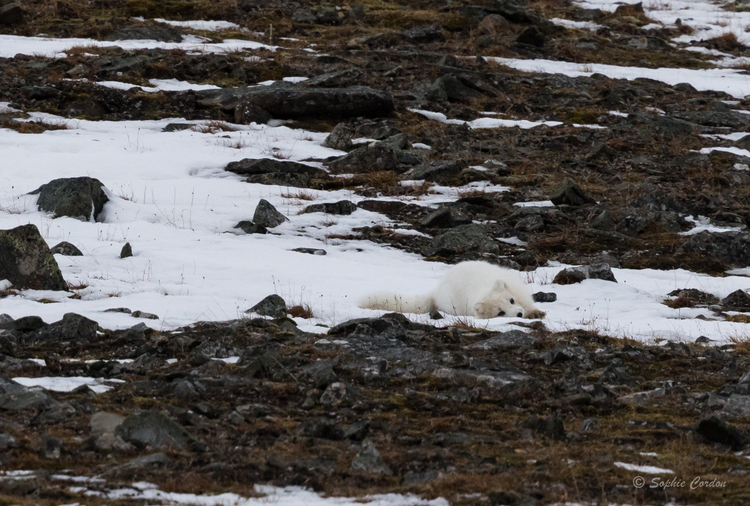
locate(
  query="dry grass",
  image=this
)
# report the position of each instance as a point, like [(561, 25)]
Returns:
[(33, 127), (212, 127), (300, 311), (726, 42), (299, 194)]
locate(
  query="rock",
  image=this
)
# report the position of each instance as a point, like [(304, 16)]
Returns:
[(718, 431), (267, 215), (147, 461), (339, 138), (562, 353), (371, 158), (11, 14), (545, 297), (462, 239), (730, 248), (604, 221), (7, 441), (336, 394), (737, 406), (738, 300), (569, 193), (338, 79), (155, 429), (320, 374), (551, 426), (25, 324), (448, 88), (126, 251), (745, 379), (78, 197), (73, 327), (513, 339), (23, 400), (589, 425), (249, 112), (105, 423), (342, 207), (425, 34), (52, 447), (532, 36), (435, 171), (272, 171), (368, 460), (446, 217), (320, 428), (26, 261), (672, 128), (251, 228), (160, 33), (66, 249), (495, 25), (290, 102), (357, 431), (577, 274), (177, 127), (273, 305), (311, 251), (143, 314)]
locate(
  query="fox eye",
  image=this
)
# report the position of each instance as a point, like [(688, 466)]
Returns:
[(512, 301)]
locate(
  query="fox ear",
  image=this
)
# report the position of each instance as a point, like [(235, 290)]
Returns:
[(479, 309), (500, 285)]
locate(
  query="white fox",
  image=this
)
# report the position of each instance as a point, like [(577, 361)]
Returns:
[(468, 289)]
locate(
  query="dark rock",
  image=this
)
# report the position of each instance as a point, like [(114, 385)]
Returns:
[(73, 327), (289, 101), (26, 261), (336, 394), (178, 127), (589, 425), (338, 79), (52, 447), (551, 426), (249, 112), (532, 36), (340, 138), (7, 441), (738, 300), (425, 34), (495, 25), (462, 239), (448, 88), (357, 431), (251, 228), (78, 197), (320, 374), (435, 171), (25, 324), (255, 166), (147, 461), (267, 215), (368, 460), (588, 14), (716, 430), (127, 251), (311, 251), (729, 248), (545, 297), (273, 305), (435, 315), (342, 207), (447, 217), (143, 314), (320, 428), (23, 400), (601, 271), (11, 14), (577, 274), (40, 92), (370, 158), (155, 429), (569, 193), (513, 339), (663, 125), (562, 353), (160, 33), (66, 249), (727, 119)]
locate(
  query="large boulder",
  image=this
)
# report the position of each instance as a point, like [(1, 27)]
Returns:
[(11, 13), (290, 101), (729, 248), (272, 171), (373, 158), (267, 215), (26, 260), (462, 239), (77, 197), (155, 429)]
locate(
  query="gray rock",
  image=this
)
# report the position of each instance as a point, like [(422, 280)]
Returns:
[(562, 353), (462, 239), (73, 327), (160, 33), (371, 158), (66, 249), (435, 171), (153, 460), (311, 251), (342, 207), (368, 460), (320, 374), (26, 261), (425, 34), (127, 251), (177, 127), (155, 429), (738, 300), (290, 102), (256, 166), (532, 36), (577, 274), (143, 314), (273, 305), (78, 197), (589, 425), (727, 119), (25, 400), (737, 406), (545, 297), (649, 124), (267, 215), (7, 441), (251, 228), (337, 79), (745, 379), (569, 193), (52, 447), (340, 138), (730, 248), (447, 217), (449, 88), (336, 394), (551, 426), (320, 428), (105, 423), (513, 339), (601, 271)]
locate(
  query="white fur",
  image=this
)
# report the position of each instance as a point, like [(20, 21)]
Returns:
[(468, 289)]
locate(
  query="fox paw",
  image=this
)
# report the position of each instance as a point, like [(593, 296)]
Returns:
[(536, 315)]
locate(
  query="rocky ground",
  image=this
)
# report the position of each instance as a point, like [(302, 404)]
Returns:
[(388, 405)]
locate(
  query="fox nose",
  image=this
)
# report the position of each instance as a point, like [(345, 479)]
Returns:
[(519, 314), (501, 313)]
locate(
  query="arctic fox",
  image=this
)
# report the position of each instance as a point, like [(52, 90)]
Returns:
[(468, 289)]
